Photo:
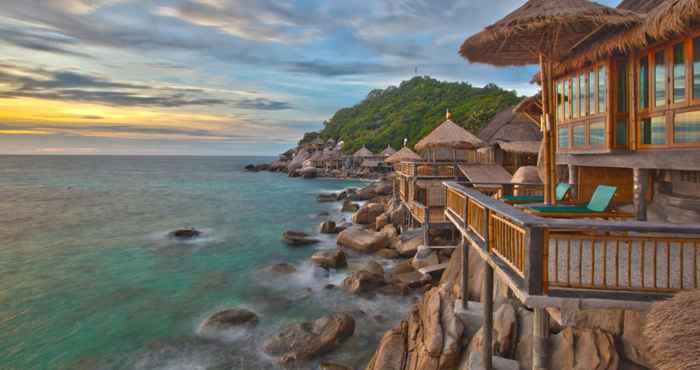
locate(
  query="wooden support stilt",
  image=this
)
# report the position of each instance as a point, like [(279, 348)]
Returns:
[(426, 227), (465, 272), (540, 337), (573, 181), (487, 353), (641, 184)]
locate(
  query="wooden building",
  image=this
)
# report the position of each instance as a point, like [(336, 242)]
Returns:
[(511, 139)]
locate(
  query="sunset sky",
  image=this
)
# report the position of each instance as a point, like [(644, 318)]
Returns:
[(217, 77)]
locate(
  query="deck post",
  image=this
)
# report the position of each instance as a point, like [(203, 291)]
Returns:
[(540, 337), (464, 245), (641, 183), (573, 181), (487, 347), (426, 226), (534, 264)]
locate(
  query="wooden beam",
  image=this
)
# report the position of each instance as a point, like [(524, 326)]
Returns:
[(464, 247), (641, 183), (487, 353), (540, 336)]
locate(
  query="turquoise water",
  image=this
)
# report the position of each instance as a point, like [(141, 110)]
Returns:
[(90, 280)]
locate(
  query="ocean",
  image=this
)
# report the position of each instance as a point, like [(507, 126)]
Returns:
[(89, 278)]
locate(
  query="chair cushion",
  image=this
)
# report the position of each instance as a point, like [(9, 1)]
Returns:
[(524, 198), (562, 209)]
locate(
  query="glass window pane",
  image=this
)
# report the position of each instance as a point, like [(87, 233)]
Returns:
[(660, 79), (678, 73), (591, 92), (574, 97), (579, 135), (597, 133), (654, 130), (621, 132), (567, 96), (622, 87), (560, 99), (696, 68), (563, 137), (582, 94), (686, 128), (644, 83), (602, 89)]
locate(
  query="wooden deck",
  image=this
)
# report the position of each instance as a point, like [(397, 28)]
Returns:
[(626, 260)]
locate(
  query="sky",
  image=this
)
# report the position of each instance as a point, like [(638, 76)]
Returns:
[(218, 77)]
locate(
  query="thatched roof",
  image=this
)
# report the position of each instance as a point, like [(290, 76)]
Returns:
[(507, 125), (449, 134), (664, 20), (388, 151), (550, 27), (520, 147), (403, 155), (363, 152), (672, 332), (531, 107), (371, 163)]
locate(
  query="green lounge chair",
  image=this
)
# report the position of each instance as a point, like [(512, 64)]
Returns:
[(598, 206), (561, 191)]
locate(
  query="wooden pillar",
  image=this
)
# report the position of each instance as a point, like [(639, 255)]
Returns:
[(426, 227), (573, 181), (464, 245), (545, 132), (487, 353), (540, 337), (641, 185)]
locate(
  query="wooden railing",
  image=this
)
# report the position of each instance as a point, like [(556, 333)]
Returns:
[(587, 256), (428, 169)]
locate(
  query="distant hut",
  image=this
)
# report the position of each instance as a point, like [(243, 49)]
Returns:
[(449, 142), (513, 141), (388, 151), (359, 156), (316, 160), (403, 155), (333, 159), (672, 333)]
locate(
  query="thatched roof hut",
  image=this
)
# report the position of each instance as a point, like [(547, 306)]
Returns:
[(388, 151), (403, 155), (549, 26), (531, 107), (519, 147), (672, 332), (449, 135), (508, 126), (363, 152)]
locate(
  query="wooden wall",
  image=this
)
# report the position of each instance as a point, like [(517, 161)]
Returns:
[(590, 177)]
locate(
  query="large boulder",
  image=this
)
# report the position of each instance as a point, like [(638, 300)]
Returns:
[(368, 213), (381, 221), (505, 333), (298, 160), (366, 193), (373, 267), (308, 172), (591, 349), (363, 282), (634, 347), (388, 253), (308, 340), (327, 197), (184, 234), (606, 320), (364, 241), (392, 350), (228, 319), (328, 227), (330, 259), (282, 268), (523, 350), (409, 245), (424, 257), (297, 238), (349, 206)]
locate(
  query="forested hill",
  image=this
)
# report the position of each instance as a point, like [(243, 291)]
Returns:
[(412, 110)]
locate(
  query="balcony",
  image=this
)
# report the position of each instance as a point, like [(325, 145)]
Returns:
[(618, 260), (428, 169)]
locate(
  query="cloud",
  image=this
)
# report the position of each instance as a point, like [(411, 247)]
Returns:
[(40, 39), (262, 104), (328, 69)]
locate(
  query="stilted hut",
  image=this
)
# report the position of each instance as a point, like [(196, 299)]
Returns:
[(388, 151), (359, 156), (403, 155), (512, 141), (449, 142)]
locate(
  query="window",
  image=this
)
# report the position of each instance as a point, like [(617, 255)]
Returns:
[(579, 135), (567, 99), (678, 73), (660, 79), (591, 92), (621, 132), (654, 130), (564, 137), (560, 100), (696, 68), (602, 89), (621, 87), (686, 128), (582, 94), (574, 97), (644, 83), (596, 133)]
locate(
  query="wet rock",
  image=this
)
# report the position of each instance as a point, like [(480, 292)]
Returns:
[(505, 331), (409, 245), (390, 231), (308, 340), (392, 350), (361, 240), (583, 349), (388, 253), (362, 282), (297, 238), (424, 257), (381, 221), (363, 194), (333, 366), (250, 167), (349, 206), (308, 172), (342, 227), (327, 197), (188, 233), (402, 267), (229, 319), (373, 267), (283, 268), (368, 213), (330, 259), (330, 286), (328, 227), (634, 346)]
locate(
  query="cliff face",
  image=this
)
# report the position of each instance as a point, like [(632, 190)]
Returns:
[(433, 337)]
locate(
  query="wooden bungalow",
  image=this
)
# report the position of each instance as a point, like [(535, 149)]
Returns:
[(512, 141), (403, 155), (621, 106), (361, 155), (388, 151)]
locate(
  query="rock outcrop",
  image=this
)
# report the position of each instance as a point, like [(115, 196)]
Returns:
[(328, 227), (298, 238), (583, 349), (330, 259), (229, 319), (364, 241), (184, 234), (308, 340), (368, 213)]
